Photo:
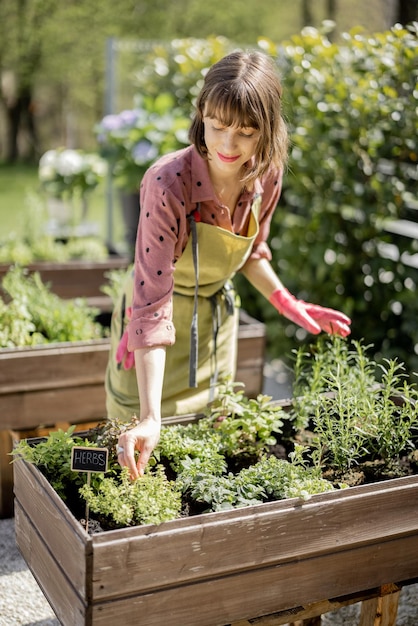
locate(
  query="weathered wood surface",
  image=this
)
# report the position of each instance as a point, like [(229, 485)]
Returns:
[(52, 578), (382, 609), (43, 386), (74, 279), (234, 565), (251, 354), (58, 382), (377, 604)]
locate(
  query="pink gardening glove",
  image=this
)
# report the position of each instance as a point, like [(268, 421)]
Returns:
[(311, 317), (123, 356), (331, 321)]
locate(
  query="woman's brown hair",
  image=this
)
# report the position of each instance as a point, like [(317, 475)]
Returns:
[(243, 89)]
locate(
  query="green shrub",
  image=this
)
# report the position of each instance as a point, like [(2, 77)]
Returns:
[(352, 113)]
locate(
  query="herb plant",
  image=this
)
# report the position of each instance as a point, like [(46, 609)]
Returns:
[(151, 499), (30, 314), (53, 456), (247, 426), (357, 410), (348, 413)]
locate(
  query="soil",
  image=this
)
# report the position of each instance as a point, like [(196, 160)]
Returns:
[(374, 471)]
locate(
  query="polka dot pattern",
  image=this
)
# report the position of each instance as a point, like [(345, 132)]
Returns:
[(170, 191)]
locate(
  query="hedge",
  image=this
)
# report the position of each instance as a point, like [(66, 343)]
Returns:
[(352, 114)]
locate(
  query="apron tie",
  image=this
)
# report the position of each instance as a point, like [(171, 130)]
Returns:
[(227, 291), (194, 325)]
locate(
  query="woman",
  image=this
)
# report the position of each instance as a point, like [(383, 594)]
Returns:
[(205, 214)]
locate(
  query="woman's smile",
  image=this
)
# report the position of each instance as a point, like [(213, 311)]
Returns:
[(227, 159)]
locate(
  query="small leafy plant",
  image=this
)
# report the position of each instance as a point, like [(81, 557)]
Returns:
[(53, 457), (152, 499), (30, 314), (26, 250), (247, 426)]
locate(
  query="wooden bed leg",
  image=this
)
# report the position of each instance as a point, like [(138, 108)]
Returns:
[(381, 611)]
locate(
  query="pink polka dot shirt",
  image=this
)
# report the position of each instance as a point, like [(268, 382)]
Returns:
[(170, 190)]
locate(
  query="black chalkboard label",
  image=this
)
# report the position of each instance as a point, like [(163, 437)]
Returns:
[(89, 459)]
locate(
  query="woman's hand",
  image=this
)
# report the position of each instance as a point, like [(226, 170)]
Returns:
[(311, 317), (142, 438)]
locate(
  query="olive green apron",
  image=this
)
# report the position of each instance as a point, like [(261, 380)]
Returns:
[(220, 254)]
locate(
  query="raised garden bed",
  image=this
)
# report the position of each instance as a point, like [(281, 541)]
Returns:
[(76, 279), (255, 532), (219, 568)]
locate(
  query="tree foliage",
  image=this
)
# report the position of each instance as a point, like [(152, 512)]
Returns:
[(52, 54)]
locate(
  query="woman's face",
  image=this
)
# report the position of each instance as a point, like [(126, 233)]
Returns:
[(229, 147)]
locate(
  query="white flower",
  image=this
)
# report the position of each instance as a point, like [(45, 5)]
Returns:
[(64, 172), (69, 163)]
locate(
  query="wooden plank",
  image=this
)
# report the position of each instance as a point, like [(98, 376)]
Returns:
[(249, 326), (251, 354), (65, 537), (252, 378), (74, 279), (7, 437), (224, 600), (272, 583), (212, 545), (57, 587), (6, 475), (315, 610), (74, 405), (49, 367)]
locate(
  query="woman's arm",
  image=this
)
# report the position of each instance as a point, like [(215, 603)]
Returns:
[(149, 365), (311, 317), (261, 275)]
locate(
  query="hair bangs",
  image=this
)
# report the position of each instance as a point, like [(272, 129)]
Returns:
[(232, 107)]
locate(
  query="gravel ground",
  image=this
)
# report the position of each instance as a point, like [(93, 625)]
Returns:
[(22, 603)]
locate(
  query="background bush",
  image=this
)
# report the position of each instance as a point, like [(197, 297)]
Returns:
[(352, 113)]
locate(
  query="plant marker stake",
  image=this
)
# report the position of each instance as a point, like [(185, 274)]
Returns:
[(89, 460)]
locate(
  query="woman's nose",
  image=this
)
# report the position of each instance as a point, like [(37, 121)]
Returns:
[(229, 140)]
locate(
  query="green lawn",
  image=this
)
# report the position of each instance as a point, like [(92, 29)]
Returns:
[(19, 192)]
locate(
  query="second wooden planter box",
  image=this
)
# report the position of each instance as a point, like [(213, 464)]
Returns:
[(76, 279)]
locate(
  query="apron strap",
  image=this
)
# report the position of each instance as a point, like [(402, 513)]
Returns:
[(194, 325), (122, 322), (227, 292)]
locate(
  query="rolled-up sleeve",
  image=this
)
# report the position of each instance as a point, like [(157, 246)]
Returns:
[(161, 231)]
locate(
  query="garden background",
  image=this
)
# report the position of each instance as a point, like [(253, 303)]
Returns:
[(343, 234)]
